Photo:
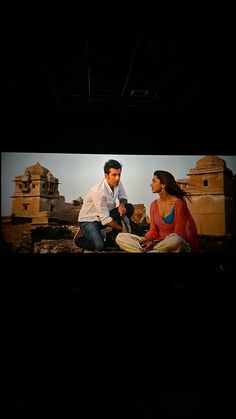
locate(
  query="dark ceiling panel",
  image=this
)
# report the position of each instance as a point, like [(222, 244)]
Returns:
[(79, 61)]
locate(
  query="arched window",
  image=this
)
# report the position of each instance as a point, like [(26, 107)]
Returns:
[(25, 187), (205, 182)]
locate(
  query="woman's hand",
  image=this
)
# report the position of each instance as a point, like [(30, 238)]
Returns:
[(146, 245)]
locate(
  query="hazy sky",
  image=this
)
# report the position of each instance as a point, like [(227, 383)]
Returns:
[(78, 172)]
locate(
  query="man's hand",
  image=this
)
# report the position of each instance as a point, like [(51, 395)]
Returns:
[(113, 224), (121, 210)]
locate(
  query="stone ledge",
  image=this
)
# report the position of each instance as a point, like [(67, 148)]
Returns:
[(209, 244), (64, 246), (212, 244)]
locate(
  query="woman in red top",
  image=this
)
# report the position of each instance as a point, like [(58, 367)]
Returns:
[(172, 227)]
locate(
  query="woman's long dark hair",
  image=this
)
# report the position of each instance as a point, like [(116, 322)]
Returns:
[(172, 186)]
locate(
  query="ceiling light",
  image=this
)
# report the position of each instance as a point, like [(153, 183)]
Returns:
[(140, 93)]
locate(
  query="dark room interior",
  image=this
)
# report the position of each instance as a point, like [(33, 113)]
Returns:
[(81, 77)]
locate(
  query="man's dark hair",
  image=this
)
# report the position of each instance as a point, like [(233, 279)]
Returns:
[(111, 164)]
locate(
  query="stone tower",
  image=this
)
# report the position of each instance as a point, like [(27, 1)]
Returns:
[(37, 196), (213, 197)]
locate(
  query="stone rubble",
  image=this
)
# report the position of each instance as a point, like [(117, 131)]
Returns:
[(64, 246)]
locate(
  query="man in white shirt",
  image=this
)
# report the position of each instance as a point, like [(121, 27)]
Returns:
[(105, 205)]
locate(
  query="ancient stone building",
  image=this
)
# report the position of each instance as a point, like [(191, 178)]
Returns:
[(36, 197), (212, 187)]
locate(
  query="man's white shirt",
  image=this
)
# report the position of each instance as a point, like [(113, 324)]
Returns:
[(99, 201)]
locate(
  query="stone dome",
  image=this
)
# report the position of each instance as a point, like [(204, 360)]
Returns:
[(210, 161), (36, 169)]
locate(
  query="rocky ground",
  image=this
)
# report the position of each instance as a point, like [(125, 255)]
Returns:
[(64, 246), (209, 244), (213, 244)]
